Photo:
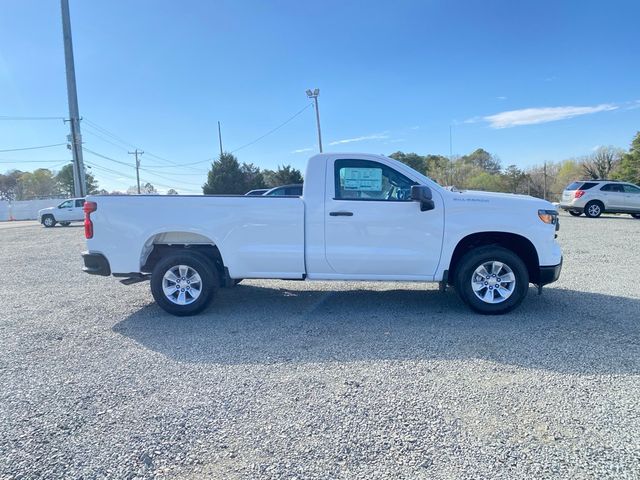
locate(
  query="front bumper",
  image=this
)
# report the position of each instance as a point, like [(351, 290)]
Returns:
[(549, 274), (96, 264)]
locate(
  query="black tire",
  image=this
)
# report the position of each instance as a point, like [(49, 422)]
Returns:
[(65, 224), (593, 209), (237, 281), (199, 263), (636, 215), (574, 214), (48, 221), (472, 260)]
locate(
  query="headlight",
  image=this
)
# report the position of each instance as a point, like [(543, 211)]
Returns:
[(549, 216)]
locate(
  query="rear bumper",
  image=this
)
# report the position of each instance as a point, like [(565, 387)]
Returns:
[(572, 208), (549, 274), (96, 264)]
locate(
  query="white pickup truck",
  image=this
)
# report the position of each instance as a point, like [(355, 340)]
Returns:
[(360, 217)]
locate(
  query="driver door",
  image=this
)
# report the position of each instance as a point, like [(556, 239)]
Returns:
[(372, 227), (65, 211)]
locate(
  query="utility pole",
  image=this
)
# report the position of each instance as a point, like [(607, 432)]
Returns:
[(220, 137), (314, 94), (136, 153), (79, 178), (448, 169), (544, 180)]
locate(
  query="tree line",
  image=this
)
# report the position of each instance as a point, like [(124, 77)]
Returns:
[(45, 183), (478, 170)]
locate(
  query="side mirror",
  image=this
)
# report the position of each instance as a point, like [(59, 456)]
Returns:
[(422, 194)]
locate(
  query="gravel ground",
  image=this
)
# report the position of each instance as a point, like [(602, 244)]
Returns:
[(319, 380)]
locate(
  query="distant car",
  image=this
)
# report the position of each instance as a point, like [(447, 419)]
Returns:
[(294, 190), (595, 197), (257, 191), (65, 213)]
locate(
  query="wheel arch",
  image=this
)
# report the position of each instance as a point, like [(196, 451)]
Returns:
[(167, 242), (518, 244)]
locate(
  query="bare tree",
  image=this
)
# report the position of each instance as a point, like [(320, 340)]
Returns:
[(601, 163)]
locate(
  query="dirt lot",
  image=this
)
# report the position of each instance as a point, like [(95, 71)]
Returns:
[(319, 380)]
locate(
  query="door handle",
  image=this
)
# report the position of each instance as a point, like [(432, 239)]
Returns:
[(341, 214)]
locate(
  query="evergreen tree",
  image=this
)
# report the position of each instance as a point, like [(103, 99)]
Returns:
[(225, 177)]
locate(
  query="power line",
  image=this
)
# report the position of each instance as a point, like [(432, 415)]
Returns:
[(88, 129), (120, 174), (273, 130), (32, 148), (105, 157), (170, 163), (6, 160), (143, 169), (8, 117), (107, 132)]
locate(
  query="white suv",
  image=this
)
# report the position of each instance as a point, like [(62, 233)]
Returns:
[(595, 197)]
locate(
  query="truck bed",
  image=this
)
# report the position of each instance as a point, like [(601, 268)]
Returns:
[(258, 237)]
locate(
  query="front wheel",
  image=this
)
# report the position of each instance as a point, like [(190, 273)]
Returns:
[(491, 280), (184, 283), (48, 221), (574, 214)]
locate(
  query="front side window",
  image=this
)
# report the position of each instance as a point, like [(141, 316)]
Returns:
[(631, 189), (369, 180), (67, 204)]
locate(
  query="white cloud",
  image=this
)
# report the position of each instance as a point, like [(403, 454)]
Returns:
[(471, 120), (302, 150), (375, 136), (501, 97), (532, 116)]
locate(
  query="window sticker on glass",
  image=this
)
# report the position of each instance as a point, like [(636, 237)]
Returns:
[(363, 179)]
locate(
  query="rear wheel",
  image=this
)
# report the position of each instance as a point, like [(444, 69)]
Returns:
[(48, 221), (593, 209), (575, 214), (184, 283), (491, 280)]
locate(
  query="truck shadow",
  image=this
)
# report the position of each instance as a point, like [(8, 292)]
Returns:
[(563, 331)]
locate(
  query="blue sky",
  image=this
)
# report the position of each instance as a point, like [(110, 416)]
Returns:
[(529, 81)]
